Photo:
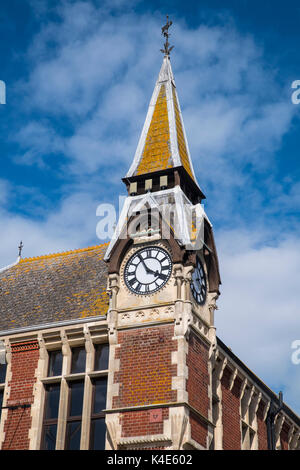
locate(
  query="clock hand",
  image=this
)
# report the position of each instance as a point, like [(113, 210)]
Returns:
[(160, 275), (148, 270)]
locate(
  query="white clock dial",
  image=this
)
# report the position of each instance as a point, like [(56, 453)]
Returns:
[(198, 284), (148, 270)]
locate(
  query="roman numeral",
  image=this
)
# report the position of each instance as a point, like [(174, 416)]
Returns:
[(165, 268), (132, 281)]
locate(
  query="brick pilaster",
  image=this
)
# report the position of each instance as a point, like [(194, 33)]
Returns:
[(24, 360)]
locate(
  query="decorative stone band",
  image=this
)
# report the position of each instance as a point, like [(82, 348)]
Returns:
[(142, 440), (19, 403), (161, 405), (151, 314)]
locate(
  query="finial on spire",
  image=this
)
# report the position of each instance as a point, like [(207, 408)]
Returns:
[(165, 32), (20, 248)]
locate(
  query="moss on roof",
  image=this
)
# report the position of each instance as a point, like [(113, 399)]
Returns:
[(51, 288)]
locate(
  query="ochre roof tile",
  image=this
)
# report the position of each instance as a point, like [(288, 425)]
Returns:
[(57, 287), (163, 144)]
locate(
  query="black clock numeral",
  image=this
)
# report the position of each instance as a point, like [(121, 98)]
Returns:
[(165, 268), (198, 285), (131, 281), (138, 287)]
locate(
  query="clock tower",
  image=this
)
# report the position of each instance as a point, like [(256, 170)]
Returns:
[(163, 284)]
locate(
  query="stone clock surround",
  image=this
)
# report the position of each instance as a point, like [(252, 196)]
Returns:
[(171, 307)]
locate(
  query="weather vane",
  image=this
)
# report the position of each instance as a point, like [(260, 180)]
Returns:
[(20, 249), (165, 32)]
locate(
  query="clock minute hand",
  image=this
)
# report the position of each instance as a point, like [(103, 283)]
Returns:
[(148, 270)]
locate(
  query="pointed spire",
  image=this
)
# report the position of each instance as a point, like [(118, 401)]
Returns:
[(163, 143)]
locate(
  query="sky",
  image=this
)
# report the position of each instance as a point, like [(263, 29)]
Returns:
[(79, 77)]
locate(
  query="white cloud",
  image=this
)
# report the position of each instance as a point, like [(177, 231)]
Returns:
[(97, 71), (71, 225), (258, 314)]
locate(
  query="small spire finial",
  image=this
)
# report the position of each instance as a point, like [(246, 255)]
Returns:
[(20, 248), (165, 32)]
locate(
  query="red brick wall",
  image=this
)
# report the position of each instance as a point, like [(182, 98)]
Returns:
[(145, 375), (198, 377), (197, 386), (261, 428), (231, 412), (138, 423), (23, 365), (198, 430)]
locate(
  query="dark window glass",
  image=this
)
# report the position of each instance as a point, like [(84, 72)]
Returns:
[(73, 435), (55, 363), (3, 368), (1, 401), (100, 387), (101, 356), (78, 360), (52, 401), (76, 398), (98, 430), (49, 439)]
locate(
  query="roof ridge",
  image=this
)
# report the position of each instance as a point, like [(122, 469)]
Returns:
[(62, 253)]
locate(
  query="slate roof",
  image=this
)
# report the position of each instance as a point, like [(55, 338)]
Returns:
[(52, 288)]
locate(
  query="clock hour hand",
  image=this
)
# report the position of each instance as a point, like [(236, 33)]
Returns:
[(160, 275)]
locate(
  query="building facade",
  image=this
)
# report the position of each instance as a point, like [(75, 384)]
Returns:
[(115, 346)]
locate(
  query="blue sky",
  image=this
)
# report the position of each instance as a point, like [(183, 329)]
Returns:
[(79, 77)]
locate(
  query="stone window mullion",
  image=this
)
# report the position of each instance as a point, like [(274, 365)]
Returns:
[(86, 413), (62, 415), (64, 394)]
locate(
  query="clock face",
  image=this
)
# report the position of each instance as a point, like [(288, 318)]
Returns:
[(148, 270), (198, 284)]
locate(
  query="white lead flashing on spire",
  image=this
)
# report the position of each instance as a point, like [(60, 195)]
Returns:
[(166, 73), (11, 265), (183, 209)]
